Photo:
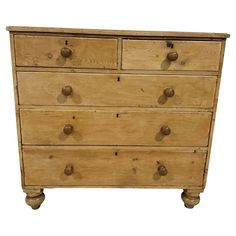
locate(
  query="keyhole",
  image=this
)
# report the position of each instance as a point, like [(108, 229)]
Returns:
[(66, 42), (169, 44), (117, 115), (118, 79)]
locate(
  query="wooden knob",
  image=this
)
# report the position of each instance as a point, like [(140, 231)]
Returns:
[(172, 56), (165, 130), (169, 92), (66, 52), (68, 129), (69, 169), (162, 170), (67, 90)]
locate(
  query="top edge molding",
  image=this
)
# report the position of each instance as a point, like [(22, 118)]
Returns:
[(117, 32)]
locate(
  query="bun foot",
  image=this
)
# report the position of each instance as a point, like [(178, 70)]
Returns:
[(34, 198), (190, 197)]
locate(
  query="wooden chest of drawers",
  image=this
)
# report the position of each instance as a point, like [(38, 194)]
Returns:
[(115, 108)]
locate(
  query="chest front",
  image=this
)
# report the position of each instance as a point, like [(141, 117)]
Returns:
[(115, 108)]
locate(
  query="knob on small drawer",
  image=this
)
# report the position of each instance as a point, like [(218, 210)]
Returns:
[(66, 52), (68, 129), (169, 92), (172, 56), (69, 169), (67, 90), (165, 130), (162, 170)]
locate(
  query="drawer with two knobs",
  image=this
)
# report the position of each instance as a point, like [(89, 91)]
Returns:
[(113, 166), (84, 89), (114, 126)]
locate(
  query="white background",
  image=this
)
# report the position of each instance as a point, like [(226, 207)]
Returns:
[(119, 212)]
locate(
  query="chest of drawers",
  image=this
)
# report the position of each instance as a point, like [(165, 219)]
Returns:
[(103, 108)]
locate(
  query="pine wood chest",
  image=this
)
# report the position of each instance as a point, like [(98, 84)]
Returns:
[(104, 108)]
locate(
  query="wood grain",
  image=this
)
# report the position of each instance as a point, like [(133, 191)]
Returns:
[(114, 127), (118, 71), (115, 90), (162, 34), (117, 108), (17, 109), (116, 167), (151, 55), (86, 52), (214, 113)]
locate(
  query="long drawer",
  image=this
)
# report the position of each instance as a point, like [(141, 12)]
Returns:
[(51, 51), (113, 126), (171, 55), (45, 88), (112, 166)]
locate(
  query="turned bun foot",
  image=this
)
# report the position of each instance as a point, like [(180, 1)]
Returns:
[(34, 197), (190, 197)]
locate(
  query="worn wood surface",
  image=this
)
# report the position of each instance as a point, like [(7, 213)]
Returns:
[(107, 108), (116, 108), (17, 109), (151, 55), (214, 113), (45, 166), (118, 32), (114, 127), (191, 197), (118, 71), (34, 197), (115, 90), (86, 52)]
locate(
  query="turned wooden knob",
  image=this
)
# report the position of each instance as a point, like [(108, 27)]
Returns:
[(67, 90), (165, 130), (172, 56), (169, 92), (162, 170), (68, 129), (66, 52), (69, 169)]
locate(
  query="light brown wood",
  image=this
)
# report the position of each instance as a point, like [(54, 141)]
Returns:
[(98, 71), (34, 197), (107, 108), (111, 167), (17, 110), (110, 147), (152, 55), (191, 197), (25, 29), (115, 90), (119, 56), (86, 52), (214, 113), (114, 127), (128, 117)]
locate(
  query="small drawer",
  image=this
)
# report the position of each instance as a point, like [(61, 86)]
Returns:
[(112, 166), (114, 126), (49, 51), (45, 88), (171, 55)]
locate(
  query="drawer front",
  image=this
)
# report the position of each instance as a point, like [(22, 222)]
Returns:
[(114, 127), (48, 51), (109, 166), (45, 88), (152, 55)]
